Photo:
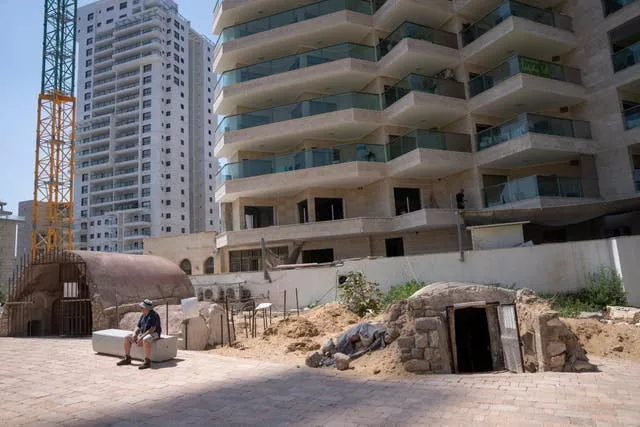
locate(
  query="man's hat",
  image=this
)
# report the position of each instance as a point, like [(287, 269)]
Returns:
[(146, 304)]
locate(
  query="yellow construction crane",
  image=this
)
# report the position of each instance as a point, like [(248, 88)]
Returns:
[(53, 184)]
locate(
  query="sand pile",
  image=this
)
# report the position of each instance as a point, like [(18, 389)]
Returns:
[(293, 327), (333, 317), (618, 341)]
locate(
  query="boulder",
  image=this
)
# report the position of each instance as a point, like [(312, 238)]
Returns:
[(313, 360), (590, 315), (342, 361), (328, 347), (623, 314)]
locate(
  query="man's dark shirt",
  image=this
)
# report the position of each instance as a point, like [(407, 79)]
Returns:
[(460, 200), (148, 321)]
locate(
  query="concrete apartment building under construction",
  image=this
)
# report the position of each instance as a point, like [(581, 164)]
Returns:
[(348, 126), (144, 140)]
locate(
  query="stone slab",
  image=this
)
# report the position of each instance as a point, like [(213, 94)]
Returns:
[(111, 341)]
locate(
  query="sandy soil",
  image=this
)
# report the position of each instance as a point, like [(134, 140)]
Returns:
[(289, 341), (618, 341)]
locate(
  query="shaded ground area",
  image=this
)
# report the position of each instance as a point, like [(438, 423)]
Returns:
[(620, 341), (45, 381)]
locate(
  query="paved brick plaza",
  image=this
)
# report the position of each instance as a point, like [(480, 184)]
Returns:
[(58, 381)]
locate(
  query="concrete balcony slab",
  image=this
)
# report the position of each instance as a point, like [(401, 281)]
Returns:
[(423, 57), (532, 149), (520, 35), (432, 13), (525, 92), (425, 110), (426, 163)]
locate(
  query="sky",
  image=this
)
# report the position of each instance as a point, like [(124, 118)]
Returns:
[(21, 49)]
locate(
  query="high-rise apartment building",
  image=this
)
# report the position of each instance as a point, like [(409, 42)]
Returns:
[(145, 90), (350, 127)]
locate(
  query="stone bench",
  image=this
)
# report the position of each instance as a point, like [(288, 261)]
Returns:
[(111, 341)]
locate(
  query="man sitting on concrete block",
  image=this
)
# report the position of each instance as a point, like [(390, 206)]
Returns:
[(148, 330)]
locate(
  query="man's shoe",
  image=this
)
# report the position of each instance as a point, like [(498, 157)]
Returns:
[(125, 361), (146, 364)]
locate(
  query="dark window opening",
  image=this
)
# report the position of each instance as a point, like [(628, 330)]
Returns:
[(473, 345), (317, 255), (395, 247), (328, 209), (303, 212), (258, 216), (480, 127), (407, 200), (185, 265)]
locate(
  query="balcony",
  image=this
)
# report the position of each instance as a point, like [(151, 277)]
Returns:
[(627, 57), (93, 139), (91, 152), (124, 135), (429, 154), (531, 139), (290, 76), (126, 159), (523, 84), (611, 6), (631, 117), (424, 101), (288, 174), (412, 47), (126, 171), (138, 45), (331, 21), (345, 116), (154, 19), (101, 176), (392, 13), (141, 33), (423, 219), (533, 187), (93, 163), (93, 127), (136, 59), (517, 27)]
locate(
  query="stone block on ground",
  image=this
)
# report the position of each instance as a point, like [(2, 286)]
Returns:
[(590, 315), (424, 324), (415, 365), (342, 361), (623, 314), (217, 324), (314, 360), (196, 333), (556, 348)]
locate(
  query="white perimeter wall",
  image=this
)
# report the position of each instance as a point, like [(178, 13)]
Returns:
[(560, 267)]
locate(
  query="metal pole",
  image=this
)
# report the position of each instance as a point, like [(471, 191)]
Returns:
[(297, 306), (246, 330), (167, 318), (284, 313), (221, 332), (186, 334)]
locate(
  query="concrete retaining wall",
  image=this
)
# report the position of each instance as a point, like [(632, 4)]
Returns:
[(560, 267)]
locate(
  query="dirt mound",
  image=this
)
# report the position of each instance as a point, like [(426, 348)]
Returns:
[(293, 327), (305, 345), (383, 362), (333, 317), (604, 340)]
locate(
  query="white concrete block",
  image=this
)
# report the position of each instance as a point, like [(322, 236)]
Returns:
[(111, 341)]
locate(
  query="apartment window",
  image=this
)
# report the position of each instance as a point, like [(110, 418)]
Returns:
[(146, 80), (90, 29), (168, 114), (146, 153), (146, 166), (110, 8), (146, 179), (168, 229), (167, 176), (83, 214), (87, 96), (146, 116), (176, 80), (89, 51), (123, 5), (329, 209), (87, 73), (168, 126), (181, 130), (168, 101), (146, 128), (182, 118), (146, 192), (258, 216), (89, 41), (84, 201), (168, 163), (109, 21), (146, 68), (183, 230), (167, 215), (146, 140), (146, 204), (87, 85), (182, 217), (87, 107), (88, 63), (176, 69), (168, 151), (168, 203), (146, 91), (181, 154), (406, 200), (146, 103), (85, 177), (167, 189), (85, 189)]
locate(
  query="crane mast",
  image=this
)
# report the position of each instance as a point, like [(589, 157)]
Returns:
[(53, 183)]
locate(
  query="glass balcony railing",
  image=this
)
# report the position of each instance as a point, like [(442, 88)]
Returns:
[(534, 123), (295, 62), (627, 57), (513, 8), (631, 117), (416, 82), (311, 107), (611, 6), (292, 16), (531, 187), (428, 139), (409, 30), (636, 176), (521, 64), (301, 160)]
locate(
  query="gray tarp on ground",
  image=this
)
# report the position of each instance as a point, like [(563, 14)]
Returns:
[(371, 338)]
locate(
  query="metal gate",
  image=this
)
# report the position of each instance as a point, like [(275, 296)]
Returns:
[(70, 313)]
